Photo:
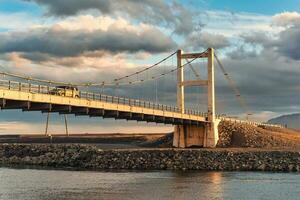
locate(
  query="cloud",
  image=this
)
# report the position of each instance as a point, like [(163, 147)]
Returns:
[(73, 69), (18, 60), (82, 49), (229, 25), (283, 40), (286, 18), (257, 38), (241, 52), (288, 42), (205, 40), (89, 23), (61, 42), (71, 7), (156, 12)]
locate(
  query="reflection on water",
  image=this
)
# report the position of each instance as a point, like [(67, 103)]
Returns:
[(58, 184)]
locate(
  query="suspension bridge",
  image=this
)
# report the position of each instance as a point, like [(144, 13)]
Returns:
[(191, 126)]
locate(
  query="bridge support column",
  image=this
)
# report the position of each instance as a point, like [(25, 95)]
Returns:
[(205, 135), (196, 136)]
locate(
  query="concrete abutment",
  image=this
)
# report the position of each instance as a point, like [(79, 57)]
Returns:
[(205, 135)]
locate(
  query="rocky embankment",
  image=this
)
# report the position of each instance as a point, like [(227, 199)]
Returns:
[(91, 157), (244, 135)]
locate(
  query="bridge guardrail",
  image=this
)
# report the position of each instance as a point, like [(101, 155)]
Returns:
[(248, 122)]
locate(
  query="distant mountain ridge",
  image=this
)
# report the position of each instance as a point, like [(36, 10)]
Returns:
[(290, 120)]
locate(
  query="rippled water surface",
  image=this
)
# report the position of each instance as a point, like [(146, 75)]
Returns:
[(59, 184)]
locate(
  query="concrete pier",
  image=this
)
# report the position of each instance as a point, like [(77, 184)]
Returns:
[(196, 136)]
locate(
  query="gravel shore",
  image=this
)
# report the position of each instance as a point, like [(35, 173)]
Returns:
[(94, 158)]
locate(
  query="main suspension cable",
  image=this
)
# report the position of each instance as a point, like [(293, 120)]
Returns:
[(111, 83), (146, 69)]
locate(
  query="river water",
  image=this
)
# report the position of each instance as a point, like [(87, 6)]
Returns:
[(42, 184)]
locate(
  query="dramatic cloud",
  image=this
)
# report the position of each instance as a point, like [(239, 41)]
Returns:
[(284, 42), (205, 40), (258, 38), (233, 24), (71, 7), (149, 11), (286, 18), (289, 40), (61, 42), (73, 69)]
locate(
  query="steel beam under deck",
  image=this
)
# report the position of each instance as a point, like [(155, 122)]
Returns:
[(12, 104)]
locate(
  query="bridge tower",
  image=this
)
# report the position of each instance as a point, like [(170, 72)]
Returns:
[(205, 134)]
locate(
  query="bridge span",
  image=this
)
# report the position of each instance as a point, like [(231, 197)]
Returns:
[(31, 97)]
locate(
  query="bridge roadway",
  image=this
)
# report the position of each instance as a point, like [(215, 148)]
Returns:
[(30, 97)]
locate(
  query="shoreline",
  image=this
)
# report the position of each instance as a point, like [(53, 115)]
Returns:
[(92, 157)]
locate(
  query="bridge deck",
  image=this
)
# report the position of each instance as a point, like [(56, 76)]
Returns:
[(30, 97)]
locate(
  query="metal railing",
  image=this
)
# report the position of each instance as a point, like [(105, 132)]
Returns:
[(238, 121)]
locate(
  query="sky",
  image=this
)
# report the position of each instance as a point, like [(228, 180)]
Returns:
[(99, 40)]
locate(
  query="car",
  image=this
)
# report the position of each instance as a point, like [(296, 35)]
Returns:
[(66, 91)]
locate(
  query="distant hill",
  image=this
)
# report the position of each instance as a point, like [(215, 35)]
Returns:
[(291, 120)]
